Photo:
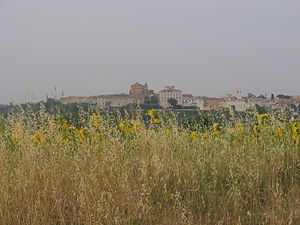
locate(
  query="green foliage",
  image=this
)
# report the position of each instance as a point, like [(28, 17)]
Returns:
[(173, 102), (281, 96)]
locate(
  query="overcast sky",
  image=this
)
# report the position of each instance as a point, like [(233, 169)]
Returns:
[(204, 47)]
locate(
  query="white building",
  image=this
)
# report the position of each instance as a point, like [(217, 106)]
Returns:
[(190, 100), (168, 93), (239, 105)]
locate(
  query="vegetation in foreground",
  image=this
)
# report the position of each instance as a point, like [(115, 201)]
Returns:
[(129, 171)]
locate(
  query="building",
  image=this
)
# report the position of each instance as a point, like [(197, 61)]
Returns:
[(168, 93), (137, 95), (238, 104), (74, 99), (115, 100), (212, 103), (190, 100), (138, 89)]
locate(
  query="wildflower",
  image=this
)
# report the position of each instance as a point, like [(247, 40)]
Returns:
[(156, 120), (216, 128), (64, 126), (82, 134), (70, 132), (96, 136), (168, 131), (263, 120), (193, 135), (153, 115), (280, 132), (203, 135), (256, 130), (39, 137), (237, 130), (95, 120), (128, 126), (295, 129)]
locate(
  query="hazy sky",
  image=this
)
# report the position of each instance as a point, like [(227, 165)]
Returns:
[(204, 47)]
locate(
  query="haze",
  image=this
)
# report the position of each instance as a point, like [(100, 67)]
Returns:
[(91, 47)]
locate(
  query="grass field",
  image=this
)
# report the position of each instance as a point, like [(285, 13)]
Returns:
[(133, 172)]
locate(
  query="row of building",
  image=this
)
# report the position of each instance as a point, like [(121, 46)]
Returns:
[(140, 93)]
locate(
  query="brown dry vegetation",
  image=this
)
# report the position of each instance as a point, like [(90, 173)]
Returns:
[(144, 176)]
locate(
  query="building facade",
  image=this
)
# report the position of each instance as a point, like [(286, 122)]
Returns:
[(238, 104), (138, 89), (190, 100), (212, 103), (168, 93)]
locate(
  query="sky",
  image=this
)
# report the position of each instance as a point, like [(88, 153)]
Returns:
[(203, 47)]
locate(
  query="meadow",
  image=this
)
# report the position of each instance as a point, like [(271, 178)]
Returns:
[(118, 171)]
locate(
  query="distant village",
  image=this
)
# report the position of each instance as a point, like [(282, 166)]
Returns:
[(170, 96)]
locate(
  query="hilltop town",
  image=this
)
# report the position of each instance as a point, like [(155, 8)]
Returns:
[(172, 97)]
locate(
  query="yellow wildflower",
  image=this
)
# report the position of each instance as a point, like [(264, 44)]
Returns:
[(96, 136), (128, 126), (156, 120), (216, 128), (280, 132), (263, 120), (96, 120), (39, 137), (193, 135), (153, 115), (256, 131), (237, 130), (203, 135), (295, 129), (168, 131), (64, 125), (82, 134)]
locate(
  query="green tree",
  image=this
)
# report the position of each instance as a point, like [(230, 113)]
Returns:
[(154, 100), (173, 102), (250, 95), (262, 96), (281, 96)]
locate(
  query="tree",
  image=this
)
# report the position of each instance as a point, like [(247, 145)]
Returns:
[(281, 96), (262, 96), (272, 96), (173, 102), (250, 95), (261, 109), (154, 100), (107, 105)]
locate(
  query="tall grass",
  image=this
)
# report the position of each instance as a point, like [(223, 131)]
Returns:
[(53, 173)]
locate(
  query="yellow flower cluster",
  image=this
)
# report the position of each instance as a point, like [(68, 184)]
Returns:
[(263, 120), (154, 116), (216, 129), (129, 126), (39, 137), (295, 129), (95, 130)]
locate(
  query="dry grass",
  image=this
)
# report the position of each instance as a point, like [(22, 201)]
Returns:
[(144, 176)]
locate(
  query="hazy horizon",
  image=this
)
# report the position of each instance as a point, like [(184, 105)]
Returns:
[(90, 47)]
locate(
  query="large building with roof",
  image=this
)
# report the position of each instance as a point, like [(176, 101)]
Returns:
[(168, 93)]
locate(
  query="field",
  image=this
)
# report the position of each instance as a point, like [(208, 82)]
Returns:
[(113, 171)]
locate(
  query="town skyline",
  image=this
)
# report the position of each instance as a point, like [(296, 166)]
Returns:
[(171, 97), (57, 92)]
